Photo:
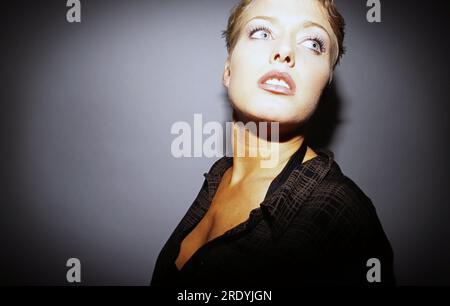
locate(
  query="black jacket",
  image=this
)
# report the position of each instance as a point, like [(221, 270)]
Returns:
[(315, 226)]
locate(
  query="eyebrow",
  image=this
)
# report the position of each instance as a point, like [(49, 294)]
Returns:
[(305, 24)]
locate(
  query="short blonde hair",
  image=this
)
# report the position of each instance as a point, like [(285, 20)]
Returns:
[(337, 22)]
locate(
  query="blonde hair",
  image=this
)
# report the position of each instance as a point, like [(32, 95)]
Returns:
[(337, 23)]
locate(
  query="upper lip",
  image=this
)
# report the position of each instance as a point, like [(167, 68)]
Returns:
[(275, 74)]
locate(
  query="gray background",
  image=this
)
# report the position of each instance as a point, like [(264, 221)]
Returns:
[(86, 167)]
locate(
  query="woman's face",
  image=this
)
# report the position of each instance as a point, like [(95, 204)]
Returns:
[(291, 37)]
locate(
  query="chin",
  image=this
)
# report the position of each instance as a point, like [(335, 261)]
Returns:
[(283, 116), (274, 108)]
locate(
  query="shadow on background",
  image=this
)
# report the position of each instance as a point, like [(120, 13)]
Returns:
[(324, 123)]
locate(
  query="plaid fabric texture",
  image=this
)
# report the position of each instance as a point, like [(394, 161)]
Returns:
[(315, 226)]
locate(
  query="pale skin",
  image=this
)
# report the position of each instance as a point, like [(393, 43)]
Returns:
[(287, 47)]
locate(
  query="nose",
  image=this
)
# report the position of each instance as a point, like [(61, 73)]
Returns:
[(284, 54)]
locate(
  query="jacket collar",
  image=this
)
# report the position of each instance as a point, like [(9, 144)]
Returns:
[(282, 203)]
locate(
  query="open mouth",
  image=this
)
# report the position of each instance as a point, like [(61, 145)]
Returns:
[(278, 83)]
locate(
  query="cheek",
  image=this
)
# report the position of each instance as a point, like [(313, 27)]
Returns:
[(248, 61), (242, 72), (314, 74)]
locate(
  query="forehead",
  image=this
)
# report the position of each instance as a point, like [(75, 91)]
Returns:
[(289, 13)]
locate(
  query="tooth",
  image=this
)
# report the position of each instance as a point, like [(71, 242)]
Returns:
[(283, 83), (277, 82)]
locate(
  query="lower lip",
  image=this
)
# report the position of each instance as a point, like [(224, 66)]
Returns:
[(280, 90)]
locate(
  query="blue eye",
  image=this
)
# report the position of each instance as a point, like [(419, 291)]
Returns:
[(314, 43), (260, 33)]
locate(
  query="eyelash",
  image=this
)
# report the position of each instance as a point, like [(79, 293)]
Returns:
[(315, 38), (259, 28), (318, 40)]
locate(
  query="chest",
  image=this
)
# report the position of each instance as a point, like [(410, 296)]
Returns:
[(229, 208)]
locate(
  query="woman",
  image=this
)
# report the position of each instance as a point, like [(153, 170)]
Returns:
[(300, 221)]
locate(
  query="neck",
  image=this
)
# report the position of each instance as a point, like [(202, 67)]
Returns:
[(260, 155)]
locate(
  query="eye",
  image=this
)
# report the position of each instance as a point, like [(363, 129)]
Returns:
[(260, 33), (314, 44)]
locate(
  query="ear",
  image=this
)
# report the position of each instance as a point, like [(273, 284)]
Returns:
[(226, 73)]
